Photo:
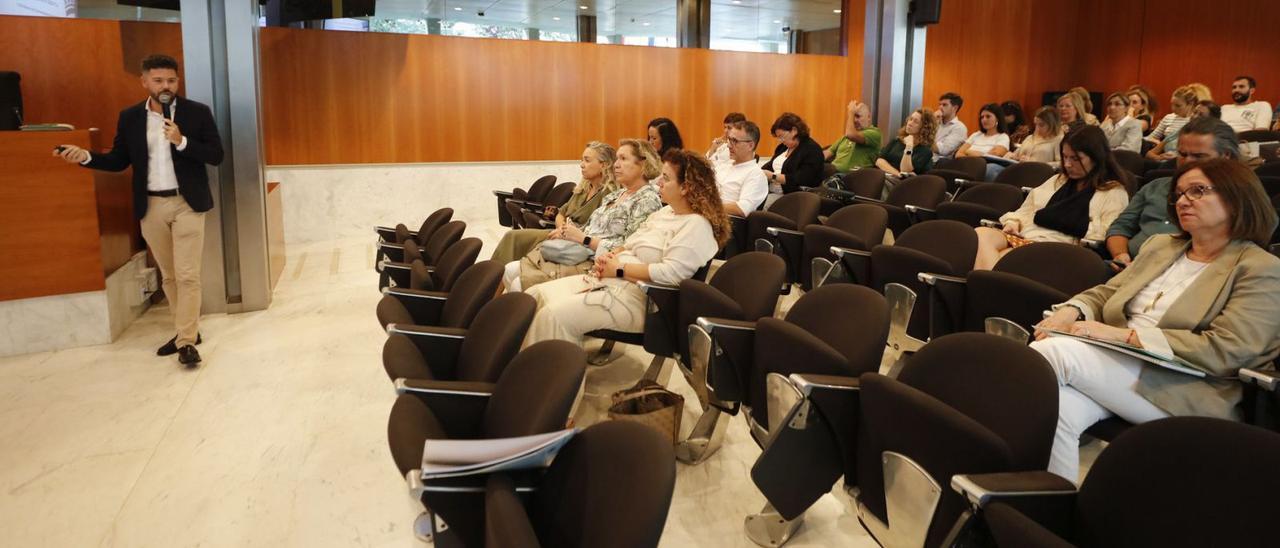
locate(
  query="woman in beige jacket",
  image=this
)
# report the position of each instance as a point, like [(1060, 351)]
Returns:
[(1207, 296), (1080, 203)]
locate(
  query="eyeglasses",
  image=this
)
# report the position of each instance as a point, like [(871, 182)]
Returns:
[(733, 141), (1194, 193)]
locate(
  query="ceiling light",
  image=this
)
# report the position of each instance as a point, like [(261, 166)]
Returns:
[(646, 23), (777, 21), (457, 9), (737, 1), (582, 7), (835, 11), (555, 18)]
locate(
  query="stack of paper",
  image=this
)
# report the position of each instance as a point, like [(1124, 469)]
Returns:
[(452, 458)]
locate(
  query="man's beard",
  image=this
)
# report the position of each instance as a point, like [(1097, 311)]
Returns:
[(1240, 98)]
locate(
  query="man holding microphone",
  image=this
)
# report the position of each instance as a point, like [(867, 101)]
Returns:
[(167, 142)]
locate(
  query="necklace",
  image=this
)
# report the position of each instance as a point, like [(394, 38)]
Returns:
[(1164, 282)]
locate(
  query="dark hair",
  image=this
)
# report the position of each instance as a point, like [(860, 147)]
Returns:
[(789, 121), (994, 109), (1225, 141), (954, 98), (698, 178), (669, 134), (1252, 217), (1092, 142), (1012, 108), (159, 61), (751, 129), (1215, 110), (1252, 83), (734, 117)]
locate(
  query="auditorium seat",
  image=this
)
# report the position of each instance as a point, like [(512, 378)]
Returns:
[(867, 181), (400, 233), (922, 192), (530, 213), (857, 226), (1269, 169), (956, 170), (777, 230), (836, 330), (583, 501), (1183, 481), (475, 353), (456, 308), (440, 277), (977, 202), (431, 250), (534, 394), (1021, 286), (536, 192), (1259, 136), (1131, 161)]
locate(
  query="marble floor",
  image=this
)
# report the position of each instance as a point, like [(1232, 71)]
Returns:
[(279, 438)]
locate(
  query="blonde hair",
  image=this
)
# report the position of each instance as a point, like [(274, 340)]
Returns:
[(1188, 96), (928, 128), (648, 157), (1077, 102), (607, 156), (1201, 91), (1084, 97)]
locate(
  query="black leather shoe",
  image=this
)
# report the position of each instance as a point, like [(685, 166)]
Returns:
[(170, 348), (188, 356)]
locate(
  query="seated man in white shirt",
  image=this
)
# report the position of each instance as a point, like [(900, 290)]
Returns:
[(743, 185), (719, 151), (951, 131), (1246, 114)]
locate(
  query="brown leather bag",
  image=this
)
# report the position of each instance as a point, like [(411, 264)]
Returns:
[(652, 405)]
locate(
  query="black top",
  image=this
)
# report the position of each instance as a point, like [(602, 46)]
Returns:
[(1067, 210), (803, 166), (204, 146), (921, 155)]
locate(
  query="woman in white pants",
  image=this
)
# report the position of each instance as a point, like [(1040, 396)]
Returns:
[(1208, 295), (672, 244)]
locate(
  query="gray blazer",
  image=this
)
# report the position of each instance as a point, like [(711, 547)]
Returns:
[(1126, 136), (1227, 319)]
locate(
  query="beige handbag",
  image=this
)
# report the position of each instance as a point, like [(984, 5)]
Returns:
[(650, 404)]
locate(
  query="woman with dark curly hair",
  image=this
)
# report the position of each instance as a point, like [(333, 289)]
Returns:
[(668, 248), (663, 135)]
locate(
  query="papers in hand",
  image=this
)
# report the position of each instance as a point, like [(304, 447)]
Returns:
[(1168, 362), (452, 458)]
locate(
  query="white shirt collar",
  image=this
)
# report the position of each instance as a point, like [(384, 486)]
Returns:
[(173, 105)]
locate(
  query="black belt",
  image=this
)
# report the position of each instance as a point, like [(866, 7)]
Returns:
[(163, 193)]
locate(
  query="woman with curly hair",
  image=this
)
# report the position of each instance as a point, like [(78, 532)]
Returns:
[(668, 248), (912, 151)]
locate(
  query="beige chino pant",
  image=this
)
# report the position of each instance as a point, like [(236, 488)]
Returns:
[(175, 235)]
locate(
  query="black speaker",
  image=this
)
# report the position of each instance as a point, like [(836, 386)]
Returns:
[(925, 12), (174, 5), (292, 11), (10, 100)]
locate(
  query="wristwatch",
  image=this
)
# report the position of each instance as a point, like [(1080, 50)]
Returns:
[(908, 152), (586, 240), (620, 273)]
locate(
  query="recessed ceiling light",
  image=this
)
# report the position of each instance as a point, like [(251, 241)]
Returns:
[(457, 9), (777, 21), (555, 18), (835, 11), (737, 1), (582, 7), (646, 23)]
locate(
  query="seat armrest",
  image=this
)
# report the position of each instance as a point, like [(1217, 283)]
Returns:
[(440, 345), (990, 223), (424, 307), (856, 263), (808, 383), (458, 406), (1265, 379), (503, 193), (936, 279), (919, 209), (982, 489), (732, 356), (866, 200), (775, 231), (506, 523), (1092, 244), (388, 233), (651, 288)]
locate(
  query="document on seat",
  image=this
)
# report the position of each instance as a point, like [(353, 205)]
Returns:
[(1175, 363), (452, 458), (999, 160)]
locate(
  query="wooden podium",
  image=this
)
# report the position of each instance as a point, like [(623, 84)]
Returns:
[(63, 228)]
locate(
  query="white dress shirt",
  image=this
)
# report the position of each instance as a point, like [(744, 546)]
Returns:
[(950, 136), (743, 184), (160, 174)]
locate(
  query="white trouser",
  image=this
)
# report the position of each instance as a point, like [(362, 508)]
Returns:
[(565, 312), (511, 277), (1094, 383)]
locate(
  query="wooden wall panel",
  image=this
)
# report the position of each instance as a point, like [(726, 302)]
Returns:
[(81, 71), (335, 97)]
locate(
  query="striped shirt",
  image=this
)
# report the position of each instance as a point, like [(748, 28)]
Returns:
[(1167, 130)]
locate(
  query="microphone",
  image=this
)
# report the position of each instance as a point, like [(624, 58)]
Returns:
[(165, 100)]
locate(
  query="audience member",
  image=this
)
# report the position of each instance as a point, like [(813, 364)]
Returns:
[(1042, 145), (1015, 123), (858, 147), (1142, 106), (797, 160), (1148, 213), (1201, 91), (619, 215), (1207, 296), (990, 139), (1165, 135), (1087, 113), (1208, 109), (743, 186), (597, 182), (669, 248), (1245, 113), (1070, 110), (664, 135), (1122, 131), (719, 151), (911, 151), (1079, 203), (951, 131)]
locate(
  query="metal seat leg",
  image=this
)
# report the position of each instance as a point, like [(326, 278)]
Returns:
[(767, 528)]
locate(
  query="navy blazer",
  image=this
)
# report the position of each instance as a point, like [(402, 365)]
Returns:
[(204, 146), (803, 166)]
